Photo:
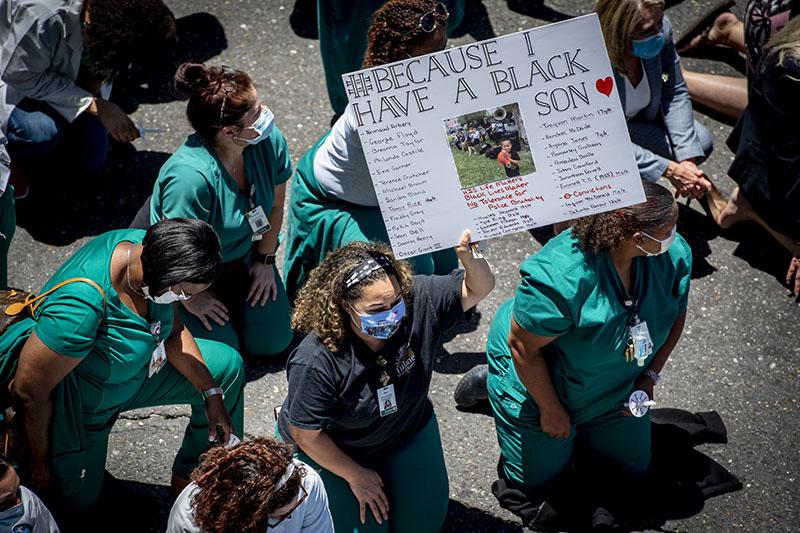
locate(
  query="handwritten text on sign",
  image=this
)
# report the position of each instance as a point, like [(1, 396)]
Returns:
[(498, 136)]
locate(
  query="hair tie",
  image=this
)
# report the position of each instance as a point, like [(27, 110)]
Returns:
[(284, 478), (366, 267)]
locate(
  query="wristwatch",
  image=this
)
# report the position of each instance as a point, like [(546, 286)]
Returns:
[(213, 391), (266, 259), (652, 375)]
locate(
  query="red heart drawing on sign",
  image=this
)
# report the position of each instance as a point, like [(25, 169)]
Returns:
[(605, 86)]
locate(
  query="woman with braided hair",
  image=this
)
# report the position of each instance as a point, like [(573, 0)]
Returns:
[(252, 486), (357, 406), (332, 200)]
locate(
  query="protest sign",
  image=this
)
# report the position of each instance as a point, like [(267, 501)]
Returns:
[(497, 136)]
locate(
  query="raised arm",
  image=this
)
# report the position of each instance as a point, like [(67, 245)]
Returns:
[(478, 276)]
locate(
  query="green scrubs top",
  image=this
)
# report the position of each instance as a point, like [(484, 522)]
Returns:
[(116, 349), (579, 298), (193, 183)]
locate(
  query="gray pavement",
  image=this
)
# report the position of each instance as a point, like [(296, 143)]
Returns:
[(739, 354)]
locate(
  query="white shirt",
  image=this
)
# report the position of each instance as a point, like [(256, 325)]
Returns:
[(311, 516), (42, 43), (340, 166), (636, 98)]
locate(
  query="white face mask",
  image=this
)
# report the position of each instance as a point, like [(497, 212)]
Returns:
[(262, 126), (664, 245), (166, 298)]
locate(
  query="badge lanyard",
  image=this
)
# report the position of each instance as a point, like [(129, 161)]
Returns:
[(639, 345), (259, 223), (387, 401), (159, 356)]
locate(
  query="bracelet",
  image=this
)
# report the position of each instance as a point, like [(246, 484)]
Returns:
[(652, 375), (266, 259), (213, 391)]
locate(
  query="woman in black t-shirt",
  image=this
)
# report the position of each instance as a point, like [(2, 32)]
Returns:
[(358, 407)]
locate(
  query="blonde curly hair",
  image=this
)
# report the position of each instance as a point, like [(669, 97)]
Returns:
[(319, 308)]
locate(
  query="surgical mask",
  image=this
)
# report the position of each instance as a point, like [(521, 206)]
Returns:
[(649, 47), (664, 245), (262, 125), (166, 298), (384, 324)]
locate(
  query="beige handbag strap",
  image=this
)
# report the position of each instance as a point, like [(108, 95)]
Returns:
[(33, 302)]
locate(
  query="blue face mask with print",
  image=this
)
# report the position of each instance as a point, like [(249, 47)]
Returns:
[(384, 324), (262, 125), (649, 47)]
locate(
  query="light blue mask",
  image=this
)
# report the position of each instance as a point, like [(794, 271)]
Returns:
[(384, 324), (649, 47), (262, 125)]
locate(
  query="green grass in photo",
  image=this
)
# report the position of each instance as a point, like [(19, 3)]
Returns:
[(478, 169)]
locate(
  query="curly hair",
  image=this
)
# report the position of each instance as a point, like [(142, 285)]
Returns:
[(318, 306), (235, 485), (604, 231), (207, 88), (121, 32), (392, 31)]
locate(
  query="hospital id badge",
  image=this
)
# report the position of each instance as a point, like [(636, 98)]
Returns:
[(258, 221), (387, 402), (158, 360), (642, 343)]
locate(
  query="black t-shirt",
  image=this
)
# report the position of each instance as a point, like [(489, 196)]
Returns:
[(512, 169), (337, 392)]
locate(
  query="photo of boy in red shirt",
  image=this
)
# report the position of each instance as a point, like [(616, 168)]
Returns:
[(508, 158)]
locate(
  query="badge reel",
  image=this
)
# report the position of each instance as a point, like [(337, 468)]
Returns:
[(639, 403), (159, 357)]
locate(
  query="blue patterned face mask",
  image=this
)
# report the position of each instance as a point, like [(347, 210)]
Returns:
[(649, 47), (383, 324)]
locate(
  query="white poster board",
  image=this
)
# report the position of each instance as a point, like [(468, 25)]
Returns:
[(550, 91)]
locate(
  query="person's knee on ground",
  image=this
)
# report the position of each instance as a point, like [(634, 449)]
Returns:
[(33, 133)]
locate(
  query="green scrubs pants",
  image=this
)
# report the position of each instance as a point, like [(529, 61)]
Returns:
[(8, 225), (415, 483), (532, 458), (342, 27), (265, 330), (318, 223), (79, 475)]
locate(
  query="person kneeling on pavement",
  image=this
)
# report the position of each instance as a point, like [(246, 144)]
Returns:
[(106, 339), (252, 486), (598, 312), (357, 405)]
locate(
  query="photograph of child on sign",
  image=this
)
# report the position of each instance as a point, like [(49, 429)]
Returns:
[(489, 145)]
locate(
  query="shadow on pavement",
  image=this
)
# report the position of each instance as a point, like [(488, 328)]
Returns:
[(697, 229), (538, 10), (64, 206), (461, 518), (476, 22), (200, 38), (457, 363)]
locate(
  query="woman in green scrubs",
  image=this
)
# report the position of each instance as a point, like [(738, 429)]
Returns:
[(332, 200), (343, 26), (559, 364), (232, 173), (97, 348)]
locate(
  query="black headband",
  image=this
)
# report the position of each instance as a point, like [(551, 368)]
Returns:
[(367, 267)]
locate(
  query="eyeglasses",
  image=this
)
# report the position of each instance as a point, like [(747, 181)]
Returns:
[(273, 521), (428, 21)]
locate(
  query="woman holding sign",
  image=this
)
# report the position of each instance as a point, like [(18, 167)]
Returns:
[(232, 173), (667, 141), (598, 312), (332, 200), (358, 406)]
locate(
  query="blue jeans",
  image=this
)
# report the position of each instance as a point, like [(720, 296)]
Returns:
[(35, 129)]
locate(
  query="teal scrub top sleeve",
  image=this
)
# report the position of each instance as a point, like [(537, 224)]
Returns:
[(183, 192), (68, 321), (683, 265), (539, 307), (283, 160)]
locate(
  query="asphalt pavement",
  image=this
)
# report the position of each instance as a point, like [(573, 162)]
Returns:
[(739, 354)]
